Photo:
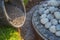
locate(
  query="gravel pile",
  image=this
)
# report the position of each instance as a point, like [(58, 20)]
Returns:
[(50, 16), (47, 19)]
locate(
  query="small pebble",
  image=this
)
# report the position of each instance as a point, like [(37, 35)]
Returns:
[(44, 20), (54, 21), (52, 9), (43, 16), (57, 33), (40, 6), (36, 23), (41, 26), (52, 29), (50, 16), (35, 19), (44, 5), (41, 10), (57, 15), (35, 13), (58, 27), (53, 3), (48, 25), (46, 11)]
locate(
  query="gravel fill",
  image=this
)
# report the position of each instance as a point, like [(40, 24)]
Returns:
[(48, 12)]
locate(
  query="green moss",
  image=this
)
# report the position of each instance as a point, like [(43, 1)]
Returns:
[(9, 33), (25, 2)]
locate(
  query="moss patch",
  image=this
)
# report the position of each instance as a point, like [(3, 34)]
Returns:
[(9, 33)]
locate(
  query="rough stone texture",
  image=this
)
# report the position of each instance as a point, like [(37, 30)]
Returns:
[(53, 9), (44, 20), (43, 16), (58, 27), (48, 25), (49, 16), (57, 15), (52, 29), (53, 2), (58, 33), (42, 31), (27, 30), (54, 21)]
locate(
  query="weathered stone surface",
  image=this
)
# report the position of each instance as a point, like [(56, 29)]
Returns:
[(46, 11), (48, 25), (54, 21), (52, 29), (41, 10), (50, 16), (52, 9), (44, 20), (57, 15), (58, 27), (57, 33), (48, 19), (43, 16), (53, 3)]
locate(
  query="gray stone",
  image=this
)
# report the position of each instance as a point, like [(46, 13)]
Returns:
[(51, 38), (48, 25), (50, 16), (35, 13), (57, 15), (36, 23), (57, 33), (54, 21), (46, 11), (44, 20), (52, 29), (35, 19), (43, 16), (41, 10), (58, 27), (44, 5), (53, 3), (52, 9)]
